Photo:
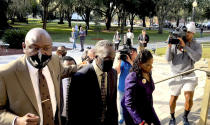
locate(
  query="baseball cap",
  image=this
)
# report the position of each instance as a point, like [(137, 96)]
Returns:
[(191, 27)]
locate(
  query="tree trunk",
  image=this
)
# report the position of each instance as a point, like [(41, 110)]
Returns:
[(69, 15), (122, 23), (45, 17), (61, 18), (119, 21), (124, 20), (151, 21), (131, 21), (87, 17), (61, 11), (144, 22), (177, 22), (3, 15), (160, 28), (69, 21), (108, 21)]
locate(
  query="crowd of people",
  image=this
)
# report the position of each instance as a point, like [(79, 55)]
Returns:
[(40, 88)]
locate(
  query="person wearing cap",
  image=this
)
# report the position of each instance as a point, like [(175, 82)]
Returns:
[(182, 57)]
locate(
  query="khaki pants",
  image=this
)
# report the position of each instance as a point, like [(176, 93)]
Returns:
[(141, 48)]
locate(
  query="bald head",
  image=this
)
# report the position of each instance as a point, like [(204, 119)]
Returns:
[(37, 35), (37, 40)]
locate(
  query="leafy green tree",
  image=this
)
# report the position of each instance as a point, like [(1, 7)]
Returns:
[(84, 8), (141, 8), (108, 10), (162, 9), (69, 9), (20, 9), (46, 4)]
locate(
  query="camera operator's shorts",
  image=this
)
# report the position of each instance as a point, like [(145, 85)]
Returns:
[(186, 82)]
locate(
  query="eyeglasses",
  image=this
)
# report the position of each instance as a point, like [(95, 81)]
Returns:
[(36, 49)]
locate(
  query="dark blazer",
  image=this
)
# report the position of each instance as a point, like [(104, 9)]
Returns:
[(138, 102), (84, 104), (140, 38)]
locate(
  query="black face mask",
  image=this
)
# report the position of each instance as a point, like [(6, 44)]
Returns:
[(63, 54), (106, 65), (39, 61), (90, 61)]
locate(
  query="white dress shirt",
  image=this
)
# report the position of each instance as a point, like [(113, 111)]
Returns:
[(130, 35), (35, 81), (65, 84)]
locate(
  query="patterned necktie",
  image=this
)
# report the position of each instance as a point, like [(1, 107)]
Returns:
[(45, 100), (103, 97)]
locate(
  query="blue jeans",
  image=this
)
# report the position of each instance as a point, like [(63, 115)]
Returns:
[(74, 44)]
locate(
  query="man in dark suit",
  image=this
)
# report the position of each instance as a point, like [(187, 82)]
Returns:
[(30, 85), (93, 90)]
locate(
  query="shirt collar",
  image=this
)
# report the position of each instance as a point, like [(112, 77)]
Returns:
[(97, 69)]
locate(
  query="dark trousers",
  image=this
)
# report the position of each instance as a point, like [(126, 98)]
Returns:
[(63, 120), (116, 46), (82, 43), (128, 42)]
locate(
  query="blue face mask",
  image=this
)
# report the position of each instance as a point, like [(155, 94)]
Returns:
[(39, 60)]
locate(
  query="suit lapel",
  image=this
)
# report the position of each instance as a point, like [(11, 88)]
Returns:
[(94, 77), (25, 81)]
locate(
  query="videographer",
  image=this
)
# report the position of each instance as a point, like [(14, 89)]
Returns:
[(125, 62), (182, 57)]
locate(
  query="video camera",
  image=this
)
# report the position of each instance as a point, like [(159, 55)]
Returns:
[(124, 52), (178, 32)]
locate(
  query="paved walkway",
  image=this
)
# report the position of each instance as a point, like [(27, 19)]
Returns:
[(161, 70)]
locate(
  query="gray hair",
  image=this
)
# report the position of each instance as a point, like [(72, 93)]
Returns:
[(102, 44)]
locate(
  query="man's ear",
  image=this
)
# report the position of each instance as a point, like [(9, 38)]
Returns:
[(24, 46)]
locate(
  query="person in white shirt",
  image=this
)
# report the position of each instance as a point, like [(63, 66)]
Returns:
[(67, 61), (130, 37)]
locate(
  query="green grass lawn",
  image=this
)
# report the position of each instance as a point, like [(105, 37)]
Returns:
[(61, 32), (205, 51)]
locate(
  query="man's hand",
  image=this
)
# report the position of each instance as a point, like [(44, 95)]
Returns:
[(169, 45), (181, 43), (28, 119)]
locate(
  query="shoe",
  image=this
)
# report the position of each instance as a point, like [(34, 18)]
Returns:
[(185, 121), (121, 121), (172, 121), (81, 50)]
